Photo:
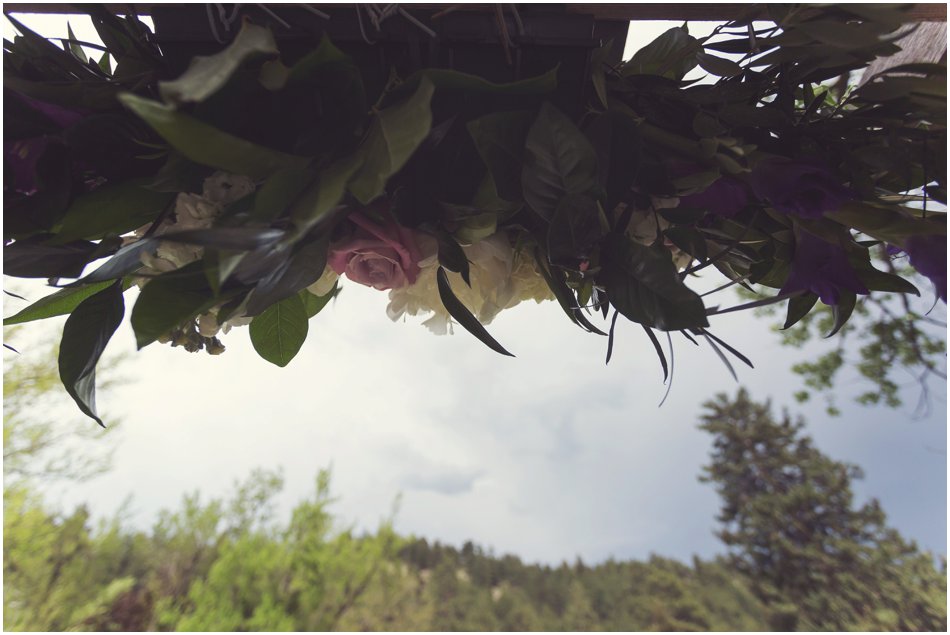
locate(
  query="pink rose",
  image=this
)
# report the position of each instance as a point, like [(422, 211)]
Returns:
[(382, 257)]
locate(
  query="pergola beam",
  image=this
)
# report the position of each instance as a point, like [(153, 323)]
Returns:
[(924, 12)]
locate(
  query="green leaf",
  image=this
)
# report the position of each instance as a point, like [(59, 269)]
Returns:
[(558, 160), (324, 194), (643, 284), (842, 310), (672, 55), (798, 307), (300, 270), (112, 210), (688, 240), (395, 135), (74, 47), (85, 335), (105, 63), (718, 66), (500, 140), (452, 257), (278, 333), (310, 66), (564, 295), (207, 145), (598, 76), (280, 191), (575, 227), (207, 75), (30, 258), (168, 301), (313, 303), (463, 316), (62, 302), (886, 224)]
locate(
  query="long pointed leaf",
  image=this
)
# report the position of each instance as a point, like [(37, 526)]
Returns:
[(659, 351), (463, 316)]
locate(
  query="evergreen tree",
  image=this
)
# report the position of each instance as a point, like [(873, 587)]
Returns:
[(792, 526)]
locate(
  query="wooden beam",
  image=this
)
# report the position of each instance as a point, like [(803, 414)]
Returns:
[(923, 12), (714, 12)]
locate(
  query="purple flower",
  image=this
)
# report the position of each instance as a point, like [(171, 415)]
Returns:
[(928, 255), (725, 197), (22, 154), (62, 117), (822, 268), (798, 188)]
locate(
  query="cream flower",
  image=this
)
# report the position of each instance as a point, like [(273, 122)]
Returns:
[(501, 278), (194, 212)]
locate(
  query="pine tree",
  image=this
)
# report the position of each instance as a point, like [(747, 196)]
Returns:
[(792, 526)]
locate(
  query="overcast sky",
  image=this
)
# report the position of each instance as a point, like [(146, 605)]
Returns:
[(549, 455)]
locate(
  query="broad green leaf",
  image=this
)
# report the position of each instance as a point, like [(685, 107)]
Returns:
[(168, 301), (558, 160), (39, 259), (280, 191), (278, 333), (324, 194), (60, 303), (395, 135), (112, 210), (207, 145), (463, 316), (207, 75), (500, 141), (314, 63), (575, 227), (85, 335), (883, 223), (672, 54), (643, 284)]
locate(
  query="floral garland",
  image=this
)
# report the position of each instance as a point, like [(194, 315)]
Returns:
[(241, 192)]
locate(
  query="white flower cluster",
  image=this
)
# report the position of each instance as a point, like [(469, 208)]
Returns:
[(501, 277), (195, 212)]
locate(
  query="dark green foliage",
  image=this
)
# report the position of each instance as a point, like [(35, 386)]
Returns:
[(793, 529)]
